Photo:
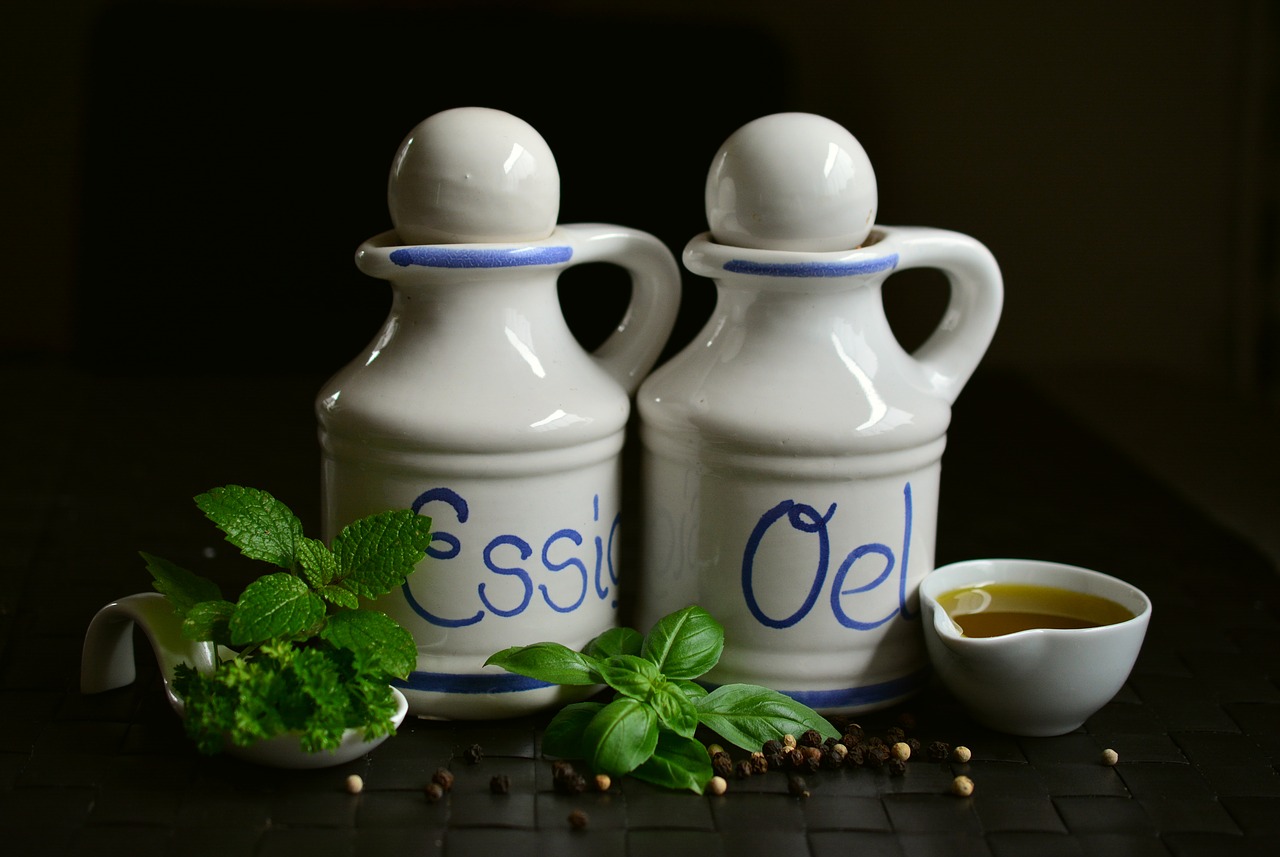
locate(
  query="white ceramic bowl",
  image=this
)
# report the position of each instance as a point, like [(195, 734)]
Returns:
[(1037, 682)]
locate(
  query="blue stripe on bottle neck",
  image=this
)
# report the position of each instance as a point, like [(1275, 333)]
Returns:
[(813, 269), (438, 256)]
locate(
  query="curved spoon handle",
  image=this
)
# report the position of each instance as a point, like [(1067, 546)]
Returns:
[(107, 659)]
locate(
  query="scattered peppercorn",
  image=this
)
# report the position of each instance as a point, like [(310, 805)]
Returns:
[(443, 777), (894, 734), (838, 752), (788, 740), (1110, 757), (759, 764), (578, 819), (722, 765), (433, 792), (603, 782), (712, 749), (961, 754), (897, 767), (566, 780), (797, 787), (473, 754), (742, 769), (938, 751), (810, 738), (355, 784), (855, 731), (717, 785), (914, 744), (962, 786), (901, 751), (500, 784), (877, 755), (771, 746), (856, 757)]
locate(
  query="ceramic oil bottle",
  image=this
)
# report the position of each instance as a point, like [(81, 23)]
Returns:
[(475, 405), (791, 452)]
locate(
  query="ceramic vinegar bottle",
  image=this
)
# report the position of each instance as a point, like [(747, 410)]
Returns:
[(791, 452), (475, 405)]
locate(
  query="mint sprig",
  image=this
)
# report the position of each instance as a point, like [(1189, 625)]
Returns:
[(304, 655), (648, 728)]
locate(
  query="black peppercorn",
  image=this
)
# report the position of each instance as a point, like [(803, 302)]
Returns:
[(566, 780), (938, 751), (856, 757), (722, 765), (473, 754), (797, 787), (443, 777), (433, 792), (759, 764), (500, 784), (877, 755), (897, 767), (742, 769), (577, 819), (914, 744), (793, 758), (811, 738), (894, 734)]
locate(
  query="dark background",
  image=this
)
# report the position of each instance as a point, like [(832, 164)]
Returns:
[(186, 182)]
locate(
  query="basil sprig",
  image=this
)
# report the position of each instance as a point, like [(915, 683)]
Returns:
[(647, 728)]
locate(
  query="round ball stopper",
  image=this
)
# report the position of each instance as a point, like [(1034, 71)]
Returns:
[(473, 175), (791, 181)]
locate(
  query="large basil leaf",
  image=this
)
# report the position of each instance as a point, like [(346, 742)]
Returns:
[(685, 644), (747, 715), (621, 736)]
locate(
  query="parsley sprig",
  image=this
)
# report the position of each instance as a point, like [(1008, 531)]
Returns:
[(299, 652), (647, 729)]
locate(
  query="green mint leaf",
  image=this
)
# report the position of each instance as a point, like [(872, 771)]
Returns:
[(254, 521), (549, 662), (615, 641), (376, 554), (209, 620), (338, 596), (747, 715), (675, 710), (319, 565), (677, 763), (275, 605), (621, 736), (380, 641), (685, 644), (183, 588), (630, 675), (563, 735)]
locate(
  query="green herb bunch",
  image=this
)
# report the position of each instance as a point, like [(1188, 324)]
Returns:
[(297, 651), (647, 729)]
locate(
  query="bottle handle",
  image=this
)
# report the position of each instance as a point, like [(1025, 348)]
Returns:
[(639, 337), (952, 352)]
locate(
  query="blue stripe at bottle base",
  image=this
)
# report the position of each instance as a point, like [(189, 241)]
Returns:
[(477, 257), (851, 697), (469, 684), (812, 269)]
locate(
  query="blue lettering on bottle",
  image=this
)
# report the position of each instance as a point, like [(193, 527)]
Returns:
[(514, 571), (572, 562), (805, 518), (462, 512), (557, 555)]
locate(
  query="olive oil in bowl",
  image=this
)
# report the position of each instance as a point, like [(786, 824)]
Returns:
[(996, 609)]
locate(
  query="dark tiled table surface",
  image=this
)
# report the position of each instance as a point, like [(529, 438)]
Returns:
[(98, 468)]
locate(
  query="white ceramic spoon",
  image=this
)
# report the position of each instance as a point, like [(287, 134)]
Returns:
[(107, 663)]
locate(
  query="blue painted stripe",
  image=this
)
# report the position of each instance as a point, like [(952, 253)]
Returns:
[(479, 257), (469, 683), (812, 269), (849, 697)]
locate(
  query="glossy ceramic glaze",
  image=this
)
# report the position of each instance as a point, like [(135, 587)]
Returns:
[(792, 451), (108, 663), (475, 405), (1042, 681)]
